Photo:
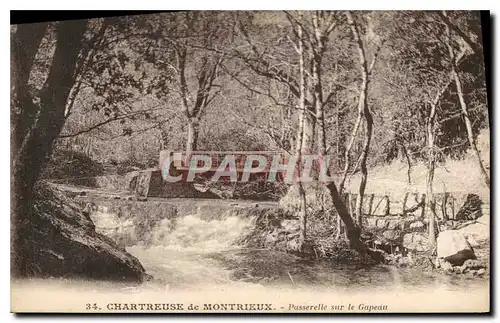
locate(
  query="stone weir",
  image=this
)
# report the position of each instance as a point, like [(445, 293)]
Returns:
[(130, 220), (149, 183)]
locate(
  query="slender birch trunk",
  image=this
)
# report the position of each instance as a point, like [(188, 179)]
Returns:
[(431, 166), (368, 124), (301, 138), (305, 131), (463, 106)]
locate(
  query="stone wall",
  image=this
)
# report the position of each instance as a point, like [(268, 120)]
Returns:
[(403, 223)]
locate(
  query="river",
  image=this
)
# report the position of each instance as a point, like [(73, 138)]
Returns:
[(199, 261), (194, 252)]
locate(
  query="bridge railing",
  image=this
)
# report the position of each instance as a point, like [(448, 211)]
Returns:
[(181, 160)]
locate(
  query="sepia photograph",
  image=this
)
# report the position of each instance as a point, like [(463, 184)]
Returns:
[(194, 161)]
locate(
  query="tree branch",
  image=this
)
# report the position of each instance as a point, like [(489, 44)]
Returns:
[(476, 48)]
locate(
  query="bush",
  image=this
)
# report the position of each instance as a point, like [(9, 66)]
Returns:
[(67, 164)]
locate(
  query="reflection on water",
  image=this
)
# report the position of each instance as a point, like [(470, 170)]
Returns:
[(189, 269), (191, 252)]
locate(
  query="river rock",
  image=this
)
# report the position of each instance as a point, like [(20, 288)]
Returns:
[(272, 237), (454, 248), (472, 264), (472, 241), (481, 272), (293, 245), (404, 261), (446, 266), (59, 241)]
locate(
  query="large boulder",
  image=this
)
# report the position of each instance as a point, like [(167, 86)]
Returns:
[(59, 240), (453, 247)]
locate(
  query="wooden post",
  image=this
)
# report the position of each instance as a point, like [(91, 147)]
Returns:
[(370, 204), (422, 203), (387, 205), (453, 207), (405, 200), (443, 206)]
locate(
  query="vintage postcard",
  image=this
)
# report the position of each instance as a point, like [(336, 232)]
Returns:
[(251, 162)]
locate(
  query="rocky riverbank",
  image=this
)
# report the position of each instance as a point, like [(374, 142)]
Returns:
[(59, 240)]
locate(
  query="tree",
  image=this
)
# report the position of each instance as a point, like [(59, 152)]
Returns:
[(363, 109), (275, 65), (177, 48), (301, 134), (112, 93), (452, 44), (39, 117)]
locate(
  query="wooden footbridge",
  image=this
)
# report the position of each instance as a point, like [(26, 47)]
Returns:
[(180, 162)]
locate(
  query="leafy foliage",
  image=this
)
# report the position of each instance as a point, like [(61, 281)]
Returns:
[(131, 91)]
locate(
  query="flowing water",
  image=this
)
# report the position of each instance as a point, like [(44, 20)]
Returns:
[(198, 260), (192, 252)]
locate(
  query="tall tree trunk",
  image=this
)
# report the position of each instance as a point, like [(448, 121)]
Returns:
[(301, 139), (468, 126), (206, 75), (353, 231), (305, 145), (463, 105), (300, 186), (24, 47), (408, 161), (347, 153), (316, 60), (363, 158), (36, 146), (368, 124), (431, 166), (192, 135)]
